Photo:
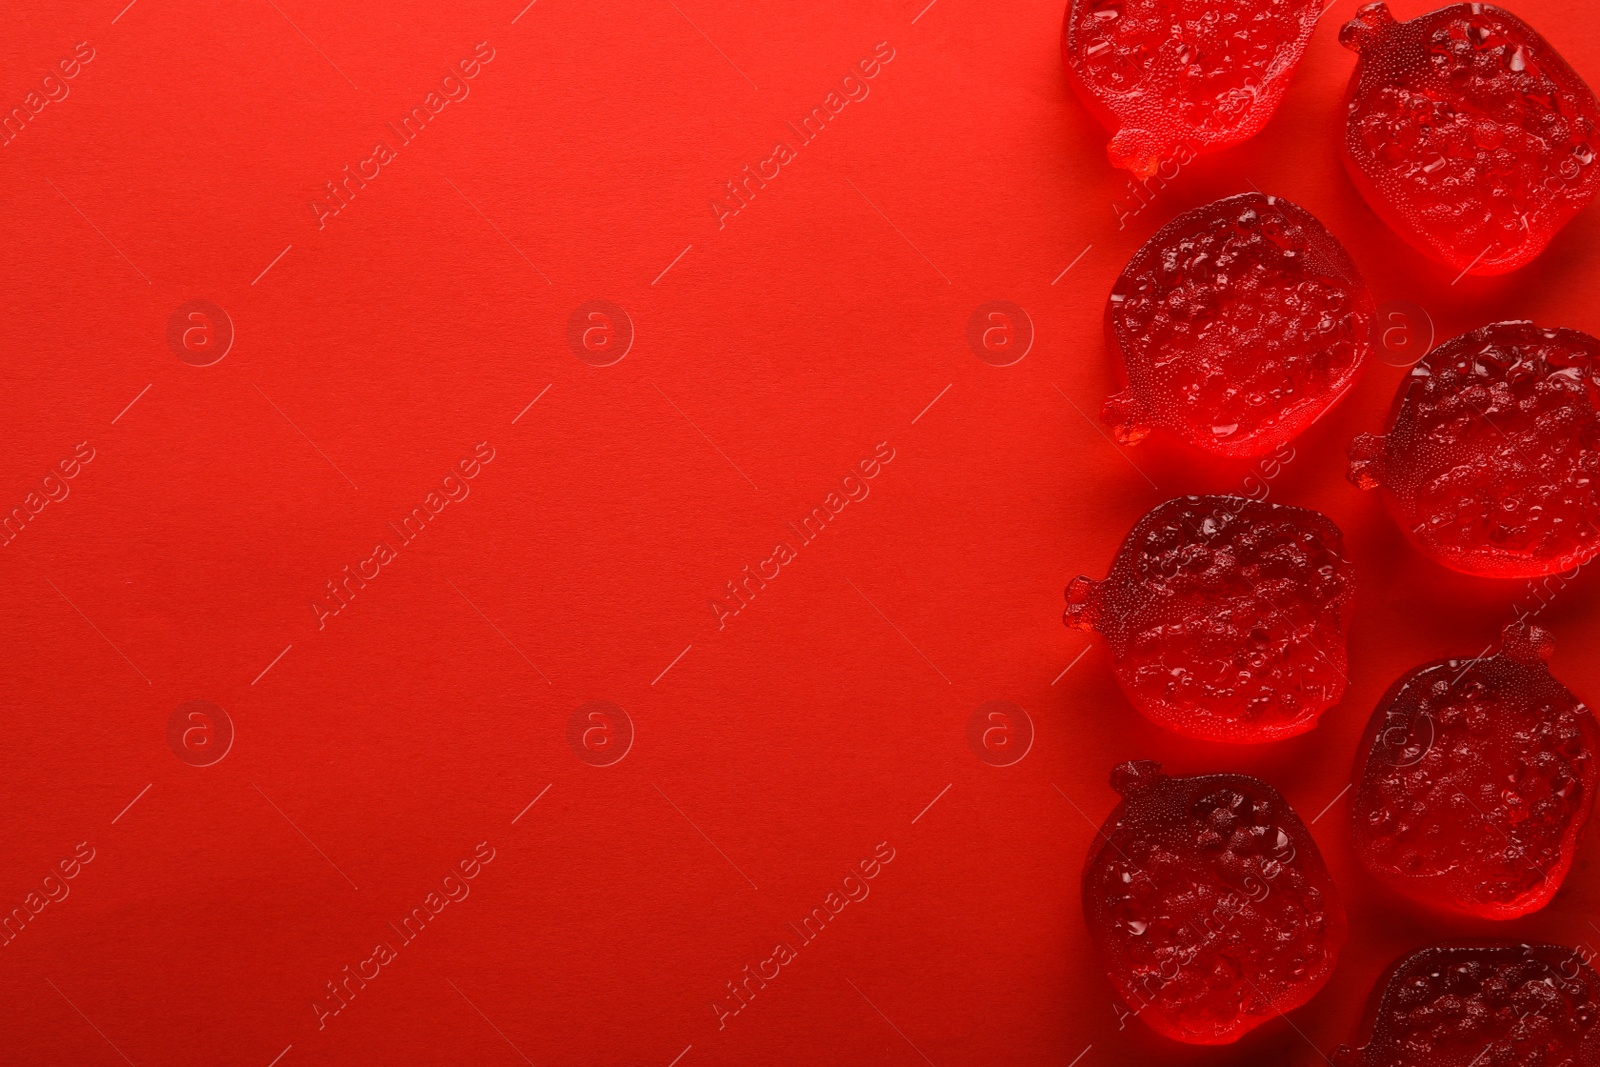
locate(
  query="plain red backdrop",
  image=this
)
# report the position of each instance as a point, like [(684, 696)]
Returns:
[(771, 355)]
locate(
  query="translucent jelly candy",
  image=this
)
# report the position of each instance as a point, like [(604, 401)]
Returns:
[(1239, 324), (1490, 462), (1475, 781), (1226, 617), (1171, 78), (1482, 1004), (1468, 134), (1208, 904)]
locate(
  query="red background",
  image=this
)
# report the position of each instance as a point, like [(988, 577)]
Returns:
[(774, 354)]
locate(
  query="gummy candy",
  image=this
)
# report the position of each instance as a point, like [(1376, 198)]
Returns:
[(1468, 134), (1239, 324), (1489, 464), (1482, 1004), (1475, 780), (1208, 904), (1171, 78), (1226, 617)]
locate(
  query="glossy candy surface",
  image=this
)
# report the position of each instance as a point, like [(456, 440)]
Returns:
[(1468, 133), (1491, 458), (1225, 617), (1482, 1004), (1174, 78), (1238, 325), (1208, 904), (1475, 780)]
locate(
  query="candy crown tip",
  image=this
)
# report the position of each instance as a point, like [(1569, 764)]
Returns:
[(1366, 461), (1139, 151), (1370, 21), (1082, 612), (1136, 777), (1527, 643), (1126, 416)]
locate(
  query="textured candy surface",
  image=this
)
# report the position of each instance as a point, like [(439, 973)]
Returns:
[(1198, 75), (1490, 462), (1226, 617), (1475, 781), (1482, 1004), (1208, 904), (1468, 133), (1239, 324)]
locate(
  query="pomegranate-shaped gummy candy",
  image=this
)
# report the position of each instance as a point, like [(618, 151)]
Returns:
[(1482, 1004), (1239, 324), (1208, 904), (1173, 78), (1474, 781), (1226, 617), (1468, 133), (1491, 459)]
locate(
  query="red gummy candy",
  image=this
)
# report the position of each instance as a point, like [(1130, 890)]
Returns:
[(1490, 462), (1208, 904), (1171, 77), (1226, 617), (1239, 324), (1474, 781), (1482, 1004), (1468, 134)]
